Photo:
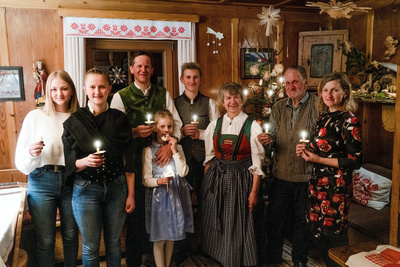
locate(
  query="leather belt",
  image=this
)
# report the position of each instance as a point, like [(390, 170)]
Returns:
[(54, 168)]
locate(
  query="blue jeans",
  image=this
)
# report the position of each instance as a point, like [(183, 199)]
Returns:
[(95, 205), (46, 192)]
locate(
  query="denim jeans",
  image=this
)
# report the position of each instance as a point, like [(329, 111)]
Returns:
[(95, 205), (47, 191)]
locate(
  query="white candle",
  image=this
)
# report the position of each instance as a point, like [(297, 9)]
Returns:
[(97, 144), (281, 79), (148, 116), (194, 118), (260, 82), (266, 127), (168, 173), (245, 92), (303, 135)]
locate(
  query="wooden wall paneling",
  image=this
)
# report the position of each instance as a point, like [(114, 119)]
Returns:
[(7, 116), (387, 23), (235, 49), (291, 34), (370, 38), (32, 35), (395, 200), (377, 142), (216, 68)]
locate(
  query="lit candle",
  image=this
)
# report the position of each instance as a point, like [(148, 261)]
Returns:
[(266, 127), (245, 92), (281, 79), (303, 135), (97, 144), (260, 82), (194, 119), (149, 121), (270, 93), (168, 173)]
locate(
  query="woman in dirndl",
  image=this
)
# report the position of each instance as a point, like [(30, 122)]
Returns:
[(230, 191)]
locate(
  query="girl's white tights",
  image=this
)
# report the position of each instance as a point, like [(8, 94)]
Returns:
[(163, 252)]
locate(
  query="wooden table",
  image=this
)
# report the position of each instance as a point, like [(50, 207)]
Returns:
[(341, 254)]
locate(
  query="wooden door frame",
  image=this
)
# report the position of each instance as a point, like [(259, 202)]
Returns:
[(167, 48)]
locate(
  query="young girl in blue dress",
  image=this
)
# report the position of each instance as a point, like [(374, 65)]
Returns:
[(168, 204)]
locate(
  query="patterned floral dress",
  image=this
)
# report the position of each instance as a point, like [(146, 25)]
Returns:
[(337, 135)]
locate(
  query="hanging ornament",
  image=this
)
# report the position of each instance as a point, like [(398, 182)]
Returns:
[(215, 35), (117, 75), (269, 17), (338, 10)]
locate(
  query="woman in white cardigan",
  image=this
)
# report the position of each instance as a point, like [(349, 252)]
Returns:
[(40, 155)]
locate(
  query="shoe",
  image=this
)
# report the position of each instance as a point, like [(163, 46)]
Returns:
[(300, 264)]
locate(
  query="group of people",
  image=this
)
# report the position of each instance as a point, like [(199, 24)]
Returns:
[(103, 166)]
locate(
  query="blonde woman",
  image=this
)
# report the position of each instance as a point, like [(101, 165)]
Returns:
[(40, 155)]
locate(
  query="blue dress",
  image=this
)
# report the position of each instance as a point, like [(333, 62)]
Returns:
[(168, 214)]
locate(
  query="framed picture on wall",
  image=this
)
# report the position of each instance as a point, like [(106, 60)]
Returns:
[(11, 84), (251, 56)]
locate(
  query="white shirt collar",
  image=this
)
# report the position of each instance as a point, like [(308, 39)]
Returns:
[(92, 110), (145, 91)]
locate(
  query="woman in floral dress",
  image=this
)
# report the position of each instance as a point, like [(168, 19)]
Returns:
[(336, 146)]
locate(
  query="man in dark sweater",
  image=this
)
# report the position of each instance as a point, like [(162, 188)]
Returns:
[(291, 174), (196, 112)]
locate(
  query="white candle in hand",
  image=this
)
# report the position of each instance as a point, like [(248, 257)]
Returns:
[(97, 144), (149, 121), (266, 127), (303, 135), (194, 119)]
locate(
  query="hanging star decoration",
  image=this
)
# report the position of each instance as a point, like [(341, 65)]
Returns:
[(269, 17), (337, 9), (117, 75)]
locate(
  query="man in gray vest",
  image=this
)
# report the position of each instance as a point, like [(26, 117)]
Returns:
[(196, 112), (291, 174)]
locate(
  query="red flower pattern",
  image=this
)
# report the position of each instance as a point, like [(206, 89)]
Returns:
[(167, 29), (74, 26), (323, 145), (137, 28), (328, 221), (106, 27), (322, 132), (153, 29), (356, 133), (92, 27), (313, 217), (338, 198), (323, 181), (321, 195), (181, 30), (124, 28)]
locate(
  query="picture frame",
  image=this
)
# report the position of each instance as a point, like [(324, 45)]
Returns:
[(11, 84), (250, 56)]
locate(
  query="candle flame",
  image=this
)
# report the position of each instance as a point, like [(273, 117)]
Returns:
[(303, 135), (148, 116)]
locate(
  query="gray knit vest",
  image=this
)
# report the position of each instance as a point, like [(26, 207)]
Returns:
[(287, 166), (193, 148)]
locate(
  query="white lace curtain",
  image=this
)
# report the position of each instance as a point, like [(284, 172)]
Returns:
[(76, 29)]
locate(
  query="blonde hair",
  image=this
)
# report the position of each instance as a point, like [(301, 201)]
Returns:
[(162, 114), (97, 71), (49, 108), (190, 66), (348, 103)]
